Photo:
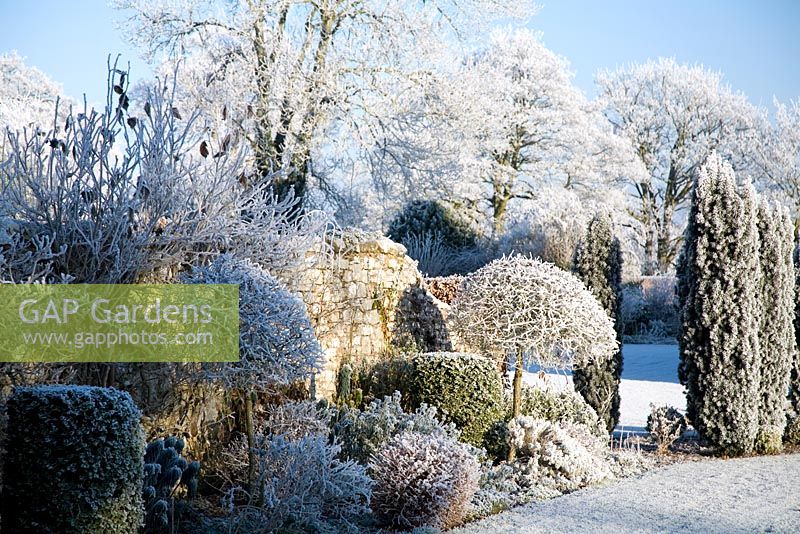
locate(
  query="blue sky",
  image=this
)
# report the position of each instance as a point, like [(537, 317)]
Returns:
[(756, 44)]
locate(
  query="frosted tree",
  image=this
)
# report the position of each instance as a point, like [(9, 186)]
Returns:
[(533, 313), (778, 348), (289, 72), (598, 262), (523, 124), (277, 344), (27, 96), (674, 115), (720, 302), (778, 157), (794, 381)]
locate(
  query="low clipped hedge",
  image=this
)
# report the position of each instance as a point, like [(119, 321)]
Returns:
[(74, 461), (466, 389)]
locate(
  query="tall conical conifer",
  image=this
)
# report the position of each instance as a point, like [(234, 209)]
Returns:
[(777, 339), (718, 288), (598, 263)]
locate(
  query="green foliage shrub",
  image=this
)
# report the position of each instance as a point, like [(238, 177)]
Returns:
[(74, 461), (466, 389), (433, 218)]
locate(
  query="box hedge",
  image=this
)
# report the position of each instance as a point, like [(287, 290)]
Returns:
[(466, 389), (74, 461)]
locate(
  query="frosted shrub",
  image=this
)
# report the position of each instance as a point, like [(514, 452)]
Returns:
[(598, 262), (776, 332), (299, 485), (74, 461), (364, 433), (561, 406), (124, 194), (466, 389), (569, 456), (441, 240), (665, 425), (298, 419), (433, 218), (423, 480), (277, 344)]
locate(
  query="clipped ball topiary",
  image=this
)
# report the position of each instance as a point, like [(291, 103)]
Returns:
[(423, 480), (466, 389), (74, 461)]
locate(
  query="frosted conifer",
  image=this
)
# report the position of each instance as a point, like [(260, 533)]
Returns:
[(598, 263), (794, 382), (718, 276), (777, 341)]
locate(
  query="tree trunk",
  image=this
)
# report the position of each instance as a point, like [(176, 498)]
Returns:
[(516, 402), (251, 439)]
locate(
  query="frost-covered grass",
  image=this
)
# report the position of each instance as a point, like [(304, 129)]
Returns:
[(743, 495)]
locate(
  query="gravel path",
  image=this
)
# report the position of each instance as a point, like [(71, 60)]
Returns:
[(744, 495)]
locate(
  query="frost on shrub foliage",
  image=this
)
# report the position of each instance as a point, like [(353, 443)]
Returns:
[(277, 344), (300, 485), (466, 389), (363, 433), (665, 425), (433, 218), (554, 405), (423, 479), (776, 331), (554, 458), (122, 194), (598, 262), (566, 453), (74, 461), (533, 312)]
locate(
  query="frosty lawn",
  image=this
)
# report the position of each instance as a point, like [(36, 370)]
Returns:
[(743, 495), (649, 376)]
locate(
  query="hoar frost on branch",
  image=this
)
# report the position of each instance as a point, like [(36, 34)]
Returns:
[(522, 125), (277, 344), (518, 303), (674, 115), (117, 195), (288, 73), (778, 159)]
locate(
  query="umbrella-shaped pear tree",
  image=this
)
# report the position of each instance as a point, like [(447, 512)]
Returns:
[(534, 313), (277, 344)]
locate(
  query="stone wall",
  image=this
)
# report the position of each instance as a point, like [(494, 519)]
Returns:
[(364, 296)]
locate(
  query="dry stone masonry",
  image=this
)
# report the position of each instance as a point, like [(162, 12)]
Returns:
[(366, 296)]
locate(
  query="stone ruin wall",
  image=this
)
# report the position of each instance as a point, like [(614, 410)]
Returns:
[(363, 298)]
